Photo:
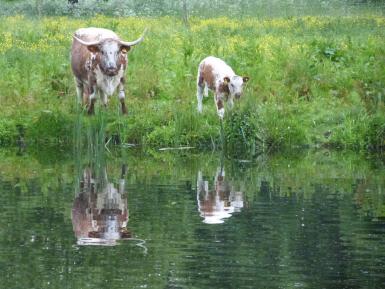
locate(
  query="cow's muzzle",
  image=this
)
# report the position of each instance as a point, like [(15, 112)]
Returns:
[(111, 71)]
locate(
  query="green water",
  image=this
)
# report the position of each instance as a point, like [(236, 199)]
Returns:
[(191, 220)]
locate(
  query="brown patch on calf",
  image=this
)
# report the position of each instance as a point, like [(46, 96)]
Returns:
[(219, 103), (207, 75), (224, 88)]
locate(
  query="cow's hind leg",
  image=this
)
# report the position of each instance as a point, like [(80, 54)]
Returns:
[(122, 96), (79, 90), (92, 100)]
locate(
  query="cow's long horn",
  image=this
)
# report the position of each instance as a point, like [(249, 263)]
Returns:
[(132, 43), (87, 43)]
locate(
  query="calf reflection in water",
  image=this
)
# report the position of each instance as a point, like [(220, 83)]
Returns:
[(219, 203), (99, 213)]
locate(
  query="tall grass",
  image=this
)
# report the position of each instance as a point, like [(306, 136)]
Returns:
[(314, 81)]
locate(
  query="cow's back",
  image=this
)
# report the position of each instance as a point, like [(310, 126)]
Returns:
[(213, 68)]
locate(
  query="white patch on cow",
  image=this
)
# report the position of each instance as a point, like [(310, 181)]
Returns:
[(109, 54), (236, 85), (93, 95), (221, 113), (122, 95), (108, 84)]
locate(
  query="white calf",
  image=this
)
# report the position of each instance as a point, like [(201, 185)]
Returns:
[(216, 75)]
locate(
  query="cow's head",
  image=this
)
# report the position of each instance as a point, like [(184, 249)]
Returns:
[(235, 84), (111, 52)]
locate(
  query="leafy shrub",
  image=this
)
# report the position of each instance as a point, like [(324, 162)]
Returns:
[(8, 132), (52, 127)]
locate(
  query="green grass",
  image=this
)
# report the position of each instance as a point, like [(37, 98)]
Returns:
[(314, 81)]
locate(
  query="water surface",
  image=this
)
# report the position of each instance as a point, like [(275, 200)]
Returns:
[(172, 220)]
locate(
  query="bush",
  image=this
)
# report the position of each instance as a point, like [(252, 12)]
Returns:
[(52, 127), (8, 132)]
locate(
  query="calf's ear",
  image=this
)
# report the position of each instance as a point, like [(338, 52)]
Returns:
[(246, 79), (125, 49), (93, 48), (226, 80)]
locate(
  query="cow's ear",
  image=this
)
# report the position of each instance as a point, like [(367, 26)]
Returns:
[(93, 48), (226, 80), (246, 79), (125, 49)]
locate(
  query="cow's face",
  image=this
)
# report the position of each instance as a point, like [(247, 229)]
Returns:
[(236, 84), (111, 54)]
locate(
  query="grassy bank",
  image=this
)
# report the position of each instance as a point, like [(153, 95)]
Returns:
[(315, 81)]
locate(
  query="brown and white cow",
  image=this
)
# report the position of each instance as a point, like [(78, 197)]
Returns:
[(100, 211), (219, 202), (99, 60), (216, 75)]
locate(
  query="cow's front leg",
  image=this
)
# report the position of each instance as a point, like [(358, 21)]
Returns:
[(220, 105), (122, 96), (91, 95), (104, 98), (200, 91), (199, 97)]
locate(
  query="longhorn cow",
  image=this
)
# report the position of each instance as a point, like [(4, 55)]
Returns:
[(99, 60)]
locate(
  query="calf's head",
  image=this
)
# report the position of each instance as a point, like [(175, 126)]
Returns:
[(235, 84), (110, 52)]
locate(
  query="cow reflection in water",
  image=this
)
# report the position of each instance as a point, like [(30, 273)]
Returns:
[(219, 203), (100, 213)]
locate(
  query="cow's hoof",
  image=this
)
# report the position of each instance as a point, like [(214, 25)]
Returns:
[(124, 109)]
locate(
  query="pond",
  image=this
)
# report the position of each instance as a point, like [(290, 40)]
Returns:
[(191, 220)]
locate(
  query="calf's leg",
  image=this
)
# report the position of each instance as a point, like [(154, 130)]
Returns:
[(218, 98), (230, 102), (200, 88)]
